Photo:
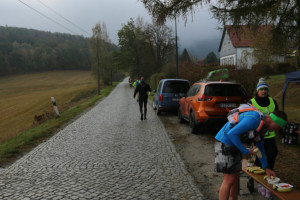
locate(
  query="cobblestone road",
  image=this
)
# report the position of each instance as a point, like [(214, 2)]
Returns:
[(108, 153)]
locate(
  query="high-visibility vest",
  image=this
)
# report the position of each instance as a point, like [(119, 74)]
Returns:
[(135, 84), (266, 110)]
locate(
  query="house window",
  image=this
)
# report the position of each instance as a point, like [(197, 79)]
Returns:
[(228, 60), (231, 61), (222, 61)]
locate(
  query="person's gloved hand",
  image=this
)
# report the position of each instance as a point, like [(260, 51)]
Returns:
[(251, 151), (270, 173)]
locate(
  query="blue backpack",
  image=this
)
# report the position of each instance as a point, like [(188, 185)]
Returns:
[(253, 135)]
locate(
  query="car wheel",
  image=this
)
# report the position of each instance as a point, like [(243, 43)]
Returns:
[(153, 105), (180, 118), (158, 112), (193, 125)]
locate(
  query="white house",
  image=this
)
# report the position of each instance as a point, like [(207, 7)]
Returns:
[(235, 48)]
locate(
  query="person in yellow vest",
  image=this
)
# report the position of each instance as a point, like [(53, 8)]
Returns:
[(266, 105), (135, 84)]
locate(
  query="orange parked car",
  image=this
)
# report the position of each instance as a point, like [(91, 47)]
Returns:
[(209, 101)]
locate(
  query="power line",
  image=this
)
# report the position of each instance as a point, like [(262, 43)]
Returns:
[(47, 17), (63, 17)]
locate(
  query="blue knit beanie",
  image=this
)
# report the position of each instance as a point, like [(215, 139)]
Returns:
[(261, 84)]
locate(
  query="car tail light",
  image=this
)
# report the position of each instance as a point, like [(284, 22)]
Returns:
[(205, 98), (161, 97)]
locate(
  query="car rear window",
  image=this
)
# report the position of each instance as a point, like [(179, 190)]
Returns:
[(224, 90), (176, 87)]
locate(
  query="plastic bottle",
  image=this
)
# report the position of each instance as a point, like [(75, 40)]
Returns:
[(259, 187), (286, 139), (291, 128), (263, 191), (294, 139), (268, 194), (291, 133)]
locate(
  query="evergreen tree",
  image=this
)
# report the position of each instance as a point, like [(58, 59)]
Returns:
[(211, 58), (185, 57)]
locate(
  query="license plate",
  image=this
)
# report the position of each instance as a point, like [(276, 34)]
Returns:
[(175, 99), (227, 105)]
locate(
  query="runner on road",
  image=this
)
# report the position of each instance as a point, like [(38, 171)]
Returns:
[(143, 88)]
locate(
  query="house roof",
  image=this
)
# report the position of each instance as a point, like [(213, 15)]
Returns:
[(238, 35)]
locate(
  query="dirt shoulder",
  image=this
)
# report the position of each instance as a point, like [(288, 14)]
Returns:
[(197, 152)]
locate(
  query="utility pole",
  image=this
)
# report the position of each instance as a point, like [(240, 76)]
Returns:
[(176, 48)]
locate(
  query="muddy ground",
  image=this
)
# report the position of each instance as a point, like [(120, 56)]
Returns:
[(197, 152)]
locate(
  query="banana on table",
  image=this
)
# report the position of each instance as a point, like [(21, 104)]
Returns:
[(256, 170)]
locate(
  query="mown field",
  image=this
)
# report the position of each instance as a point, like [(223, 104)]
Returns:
[(22, 97), (27, 117)]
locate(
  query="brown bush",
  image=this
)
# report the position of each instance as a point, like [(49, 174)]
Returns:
[(39, 119), (195, 72), (262, 69), (283, 68), (247, 78), (276, 68)]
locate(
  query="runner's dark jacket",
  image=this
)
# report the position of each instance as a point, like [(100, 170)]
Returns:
[(143, 89)]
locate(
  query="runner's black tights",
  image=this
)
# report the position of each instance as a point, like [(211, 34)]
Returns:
[(141, 102)]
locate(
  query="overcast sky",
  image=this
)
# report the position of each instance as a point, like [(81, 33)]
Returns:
[(80, 16)]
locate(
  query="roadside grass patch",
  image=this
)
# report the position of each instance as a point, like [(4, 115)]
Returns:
[(292, 96), (22, 97), (80, 100)]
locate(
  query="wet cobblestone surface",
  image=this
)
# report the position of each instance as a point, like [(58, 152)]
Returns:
[(107, 153)]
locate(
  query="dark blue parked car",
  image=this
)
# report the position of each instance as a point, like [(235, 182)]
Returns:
[(168, 94)]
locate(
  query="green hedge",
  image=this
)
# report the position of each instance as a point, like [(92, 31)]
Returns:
[(155, 78)]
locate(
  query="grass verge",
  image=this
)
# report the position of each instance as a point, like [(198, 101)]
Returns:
[(15, 147)]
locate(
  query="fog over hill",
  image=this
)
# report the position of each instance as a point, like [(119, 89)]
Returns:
[(200, 48)]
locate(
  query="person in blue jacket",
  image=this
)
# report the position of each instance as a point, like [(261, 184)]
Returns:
[(229, 148)]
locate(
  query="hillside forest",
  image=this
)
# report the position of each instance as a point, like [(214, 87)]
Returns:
[(143, 49), (27, 50)]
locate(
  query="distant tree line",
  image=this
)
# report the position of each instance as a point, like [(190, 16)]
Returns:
[(26, 50)]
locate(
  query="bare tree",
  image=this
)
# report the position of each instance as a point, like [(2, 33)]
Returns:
[(99, 45)]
